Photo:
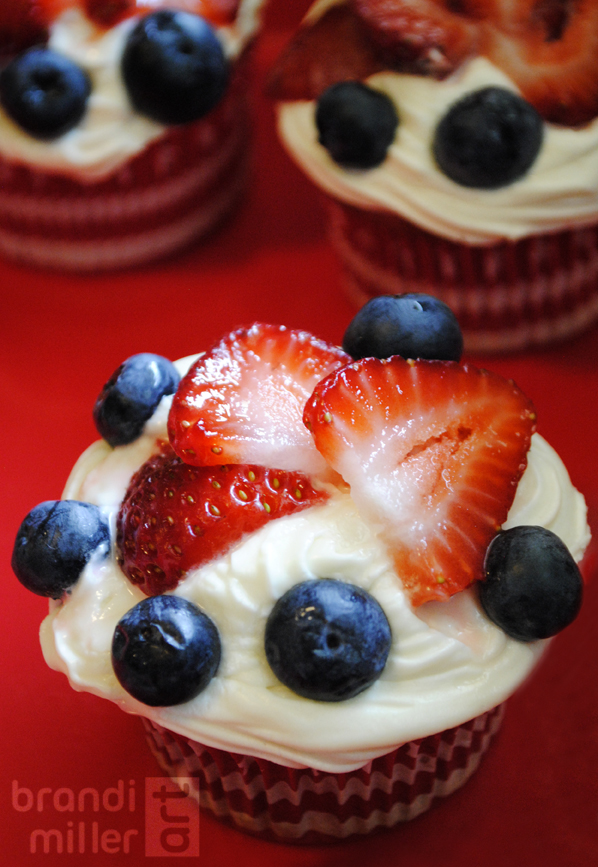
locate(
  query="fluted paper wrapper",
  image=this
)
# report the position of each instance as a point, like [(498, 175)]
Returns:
[(309, 806), (506, 296), (175, 191)]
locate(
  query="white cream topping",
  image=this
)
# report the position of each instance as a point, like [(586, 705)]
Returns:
[(448, 662), (559, 191), (111, 131)]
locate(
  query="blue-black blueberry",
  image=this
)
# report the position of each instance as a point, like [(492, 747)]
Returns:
[(532, 587), (131, 395), (165, 651), (44, 92), (174, 67), (356, 124), (54, 543), (411, 325), (488, 139), (327, 640)]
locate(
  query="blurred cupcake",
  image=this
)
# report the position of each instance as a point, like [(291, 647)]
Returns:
[(458, 155), (123, 127)]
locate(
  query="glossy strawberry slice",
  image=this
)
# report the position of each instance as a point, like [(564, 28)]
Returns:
[(358, 38), (219, 12), (175, 517), (336, 47), (108, 13), (23, 23), (423, 37), (242, 402), (433, 452), (550, 50)]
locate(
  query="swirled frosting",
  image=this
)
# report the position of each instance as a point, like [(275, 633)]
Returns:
[(559, 191), (111, 131), (448, 662)]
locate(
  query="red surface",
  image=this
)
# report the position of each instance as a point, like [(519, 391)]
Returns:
[(534, 800)]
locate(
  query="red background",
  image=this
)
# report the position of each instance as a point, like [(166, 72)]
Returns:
[(534, 800)]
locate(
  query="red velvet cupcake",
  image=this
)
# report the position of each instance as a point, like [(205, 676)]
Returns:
[(121, 155), (457, 153)]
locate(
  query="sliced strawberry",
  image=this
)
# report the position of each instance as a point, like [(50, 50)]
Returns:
[(424, 37), (108, 13), (175, 517), (336, 47), (243, 401), (358, 38), (23, 23), (219, 12), (550, 50), (433, 452)]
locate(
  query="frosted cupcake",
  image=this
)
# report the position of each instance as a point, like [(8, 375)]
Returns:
[(321, 631), (457, 154), (123, 128)]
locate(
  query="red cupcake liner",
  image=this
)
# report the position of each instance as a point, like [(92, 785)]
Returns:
[(506, 296), (172, 193), (308, 806)]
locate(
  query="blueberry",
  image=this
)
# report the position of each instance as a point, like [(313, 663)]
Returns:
[(532, 587), (356, 124), (488, 139), (131, 395), (54, 543), (413, 325), (327, 640), (174, 67), (165, 651), (44, 93)]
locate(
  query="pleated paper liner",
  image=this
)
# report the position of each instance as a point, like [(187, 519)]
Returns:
[(174, 192), (507, 296), (310, 806)]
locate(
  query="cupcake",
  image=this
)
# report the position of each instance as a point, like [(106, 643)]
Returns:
[(455, 146), (316, 595), (123, 127)]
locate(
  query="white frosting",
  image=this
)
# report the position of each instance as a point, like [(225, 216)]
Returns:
[(559, 191), (448, 662), (111, 131)]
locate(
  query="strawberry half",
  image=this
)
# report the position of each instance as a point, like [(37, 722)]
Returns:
[(108, 13), (23, 23), (433, 452), (242, 402), (336, 47), (175, 517), (550, 50), (423, 37)]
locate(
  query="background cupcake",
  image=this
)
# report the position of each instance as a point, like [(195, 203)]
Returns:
[(123, 127), (457, 151), (334, 668)]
